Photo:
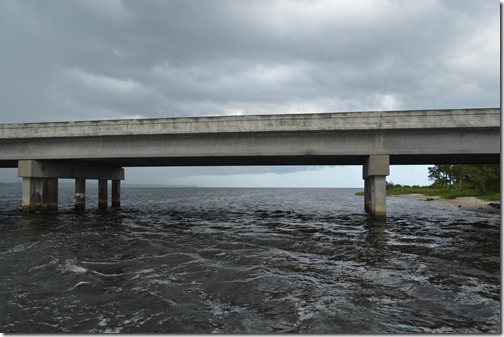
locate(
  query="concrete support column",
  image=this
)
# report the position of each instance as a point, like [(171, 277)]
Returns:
[(80, 194), (40, 194), (367, 195), (116, 193), (375, 193), (102, 193), (40, 183)]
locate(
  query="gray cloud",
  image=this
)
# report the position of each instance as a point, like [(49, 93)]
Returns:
[(95, 59), (114, 59)]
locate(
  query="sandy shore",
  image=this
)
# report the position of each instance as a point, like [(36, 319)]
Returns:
[(464, 203)]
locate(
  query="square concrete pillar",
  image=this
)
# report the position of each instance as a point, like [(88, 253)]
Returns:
[(40, 194), (102, 193), (367, 195), (80, 194), (374, 173), (376, 196), (116, 193)]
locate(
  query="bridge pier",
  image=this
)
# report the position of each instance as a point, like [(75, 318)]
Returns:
[(40, 183), (375, 192), (80, 194), (40, 194), (116, 193), (102, 193)]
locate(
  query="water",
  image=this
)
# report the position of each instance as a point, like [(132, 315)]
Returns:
[(248, 261)]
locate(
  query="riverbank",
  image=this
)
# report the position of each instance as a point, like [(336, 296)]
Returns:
[(473, 204)]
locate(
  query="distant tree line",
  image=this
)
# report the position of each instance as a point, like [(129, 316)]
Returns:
[(482, 178)]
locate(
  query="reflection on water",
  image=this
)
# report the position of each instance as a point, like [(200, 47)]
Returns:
[(248, 260)]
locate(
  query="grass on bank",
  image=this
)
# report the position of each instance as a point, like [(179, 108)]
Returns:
[(442, 192)]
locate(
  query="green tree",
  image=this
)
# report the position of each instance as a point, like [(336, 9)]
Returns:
[(483, 178), (441, 175)]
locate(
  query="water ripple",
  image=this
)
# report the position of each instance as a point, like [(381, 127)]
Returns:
[(250, 261)]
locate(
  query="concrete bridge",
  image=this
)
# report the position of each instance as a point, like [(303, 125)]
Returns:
[(44, 152)]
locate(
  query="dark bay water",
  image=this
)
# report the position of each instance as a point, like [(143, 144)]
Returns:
[(248, 261)]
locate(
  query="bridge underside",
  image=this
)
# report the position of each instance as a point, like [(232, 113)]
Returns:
[(437, 159), (297, 160), (40, 177)]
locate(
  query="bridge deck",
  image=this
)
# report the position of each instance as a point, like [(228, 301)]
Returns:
[(409, 137), (339, 121)]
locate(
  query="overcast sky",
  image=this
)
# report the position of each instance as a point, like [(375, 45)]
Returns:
[(66, 60)]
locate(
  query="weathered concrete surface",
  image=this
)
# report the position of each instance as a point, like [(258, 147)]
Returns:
[(80, 194), (40, 183), (102, 194), (116, 193), (409, 137), (48, 169), (374, 173), (40, 194), (376, 165), (375, 196), (370, 120)]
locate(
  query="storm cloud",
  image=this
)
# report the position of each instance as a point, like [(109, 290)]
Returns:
[(76, 60)]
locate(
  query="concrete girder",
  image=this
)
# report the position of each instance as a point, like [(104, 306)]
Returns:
[(53, 169)]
